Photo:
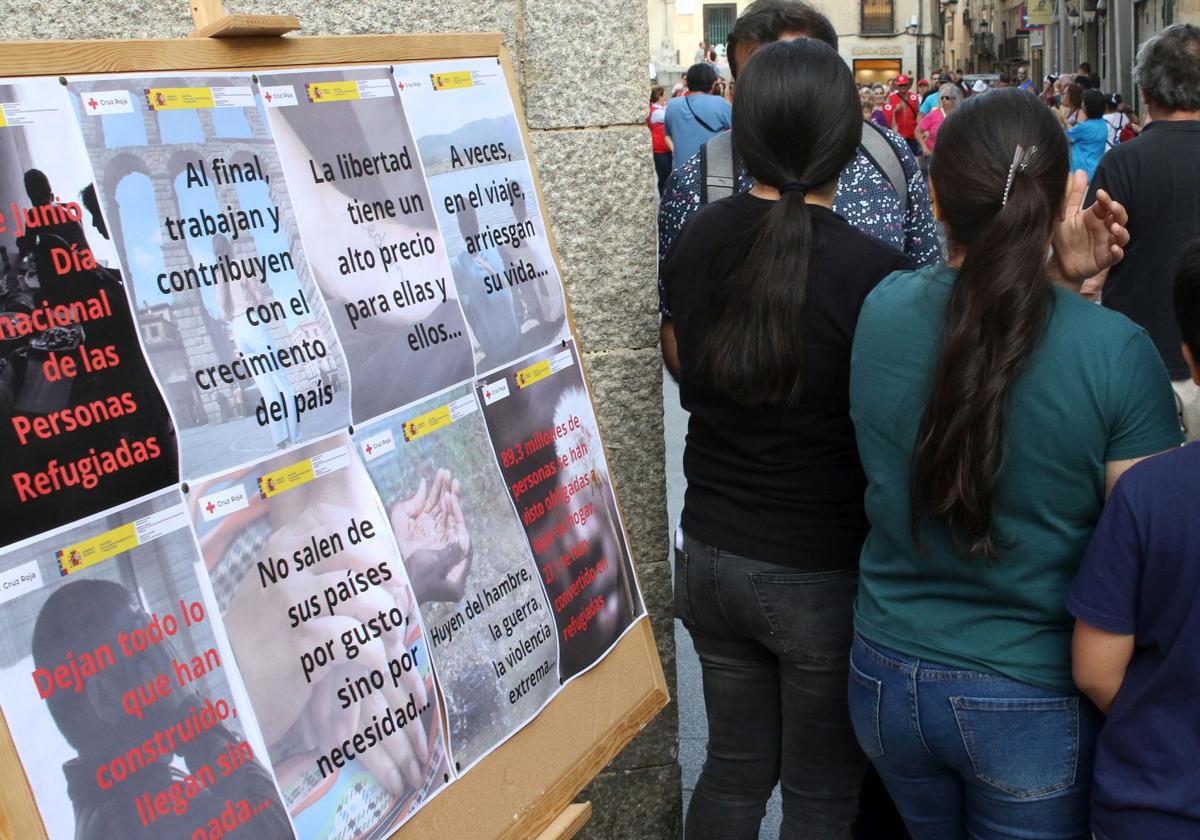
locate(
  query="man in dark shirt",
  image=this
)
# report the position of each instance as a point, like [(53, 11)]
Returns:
[(1157, 178)]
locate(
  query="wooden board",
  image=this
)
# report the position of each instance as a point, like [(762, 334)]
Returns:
[(527, 786), (569, 822), (54, 58), (246, 26)]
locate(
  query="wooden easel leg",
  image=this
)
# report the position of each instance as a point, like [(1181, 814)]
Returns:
[(567, 824)]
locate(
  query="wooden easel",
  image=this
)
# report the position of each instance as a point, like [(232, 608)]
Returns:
[(525, 789)]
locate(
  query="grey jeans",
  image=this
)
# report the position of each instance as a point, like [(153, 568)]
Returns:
[(774, 648)]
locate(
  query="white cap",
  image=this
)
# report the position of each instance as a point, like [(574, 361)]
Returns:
[(980, 86)]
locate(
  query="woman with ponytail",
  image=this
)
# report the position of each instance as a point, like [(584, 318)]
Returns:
[(994, 408), (765, 289)]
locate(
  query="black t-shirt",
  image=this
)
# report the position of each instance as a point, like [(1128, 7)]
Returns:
[(1157, 178), (779, 484)]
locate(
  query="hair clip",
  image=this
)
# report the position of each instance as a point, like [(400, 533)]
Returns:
[(1021, 160)]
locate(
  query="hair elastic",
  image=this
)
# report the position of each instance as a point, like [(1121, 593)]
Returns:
[(1021, 160), (793, 186)]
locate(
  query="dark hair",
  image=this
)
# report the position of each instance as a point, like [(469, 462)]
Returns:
[(1187, 296), (656, 92), (1168, 68), (1085, 67), (998, 308), (796, 122), (1114, 101), (701, 77), (1093, 104), (1084, 82), (78, 612), (1073, 95), (764, 21), (37, 186)]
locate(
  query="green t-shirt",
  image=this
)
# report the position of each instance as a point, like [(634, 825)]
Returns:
[(1095, 390)]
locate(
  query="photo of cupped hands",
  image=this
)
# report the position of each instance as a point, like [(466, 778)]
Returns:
[(434, 539)]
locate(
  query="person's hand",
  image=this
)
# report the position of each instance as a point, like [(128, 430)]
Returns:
[(1092, 287), (257, 620), (434, 540), (399, 760), (1091, 240)]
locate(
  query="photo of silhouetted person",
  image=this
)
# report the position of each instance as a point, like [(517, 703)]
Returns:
[(84, 614)]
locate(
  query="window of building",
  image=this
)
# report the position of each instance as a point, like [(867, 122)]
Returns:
[(878, 17), (718, 20)]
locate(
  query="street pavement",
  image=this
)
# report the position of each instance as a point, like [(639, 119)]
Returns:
[(693, 728)]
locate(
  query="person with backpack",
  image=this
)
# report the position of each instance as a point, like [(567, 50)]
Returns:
[(994, 408), (882, 191), (765, 287), (693, 118), (1118, 121)]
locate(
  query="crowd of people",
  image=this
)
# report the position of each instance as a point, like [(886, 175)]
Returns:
[(934, 550)]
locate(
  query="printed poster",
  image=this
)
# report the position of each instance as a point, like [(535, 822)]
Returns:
[(547, 444), (366, 213), (83, 426), (466, 128), (233, 325), (117, 691), (491, 634), (323, 621)]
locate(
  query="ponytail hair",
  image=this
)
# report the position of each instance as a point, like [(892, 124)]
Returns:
[(998, 307), (796, 124)]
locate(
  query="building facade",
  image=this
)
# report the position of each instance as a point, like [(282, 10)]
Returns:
[(1056, 36), (879, 39)]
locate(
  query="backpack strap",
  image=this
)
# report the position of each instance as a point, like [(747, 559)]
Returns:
[(887, 160), (717, 178)]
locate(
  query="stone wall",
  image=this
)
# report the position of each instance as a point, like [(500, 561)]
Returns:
[(582, 71)]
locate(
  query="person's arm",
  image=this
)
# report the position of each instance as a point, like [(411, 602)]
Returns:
[(670, 348), (923, 137), (1098, 662), (1103, 598), (1113, 470), (670, 143), (1140, 410), (681, 199), (921, 244), (1088, 241)]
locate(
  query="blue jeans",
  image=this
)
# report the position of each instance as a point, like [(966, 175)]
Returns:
[(973, 755), (774, 647)]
